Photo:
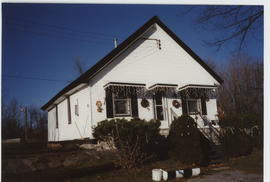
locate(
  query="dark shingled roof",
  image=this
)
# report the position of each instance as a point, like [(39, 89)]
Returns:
[(84, 78)]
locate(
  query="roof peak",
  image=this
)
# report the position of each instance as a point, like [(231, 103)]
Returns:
[(85, 77)]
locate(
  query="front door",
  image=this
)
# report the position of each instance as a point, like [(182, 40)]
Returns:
[(161, 109)]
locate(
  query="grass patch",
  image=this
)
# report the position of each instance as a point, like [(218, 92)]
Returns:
[(252, 163)]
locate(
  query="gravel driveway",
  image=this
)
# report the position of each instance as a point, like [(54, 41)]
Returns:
[(228, 176)]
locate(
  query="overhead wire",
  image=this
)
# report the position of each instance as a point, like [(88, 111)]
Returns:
[(61, 36), (69, 33), (60, 27), (33, 78), (26, 26), (57, 36)]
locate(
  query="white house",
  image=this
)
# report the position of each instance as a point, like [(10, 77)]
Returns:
[(152, 74)]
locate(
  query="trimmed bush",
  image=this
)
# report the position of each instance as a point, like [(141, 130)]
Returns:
[(185, 141), (136, 140)]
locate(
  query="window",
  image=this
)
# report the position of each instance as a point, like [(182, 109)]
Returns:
[(56, 116), (121, 104), (159, 106), (68, 110), (193, 106), (77, 108)]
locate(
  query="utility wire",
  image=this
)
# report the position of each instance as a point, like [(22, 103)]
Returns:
[(63, 28), (26, 26), (57, 36), (33, 78)]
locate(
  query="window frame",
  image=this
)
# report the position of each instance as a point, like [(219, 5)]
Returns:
[(198, 104), (69, 110), (159, 105), (56, 117), (76, 108), (128, 99)]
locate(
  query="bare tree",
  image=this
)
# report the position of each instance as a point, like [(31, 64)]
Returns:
[(33, 115), (38, 122), (211, 64), (242, 91), (79, 65), (11, 120), (231, 22)]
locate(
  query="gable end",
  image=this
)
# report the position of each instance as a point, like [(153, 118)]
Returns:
[(85, 77)]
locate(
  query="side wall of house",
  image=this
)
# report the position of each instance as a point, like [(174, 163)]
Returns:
[(80, 126), (53, 134), (82, 121)]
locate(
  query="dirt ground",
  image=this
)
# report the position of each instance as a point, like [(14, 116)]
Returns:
[(228, 176), (82, 165)]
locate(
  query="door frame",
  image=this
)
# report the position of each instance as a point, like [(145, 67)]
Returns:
[(165, 108)]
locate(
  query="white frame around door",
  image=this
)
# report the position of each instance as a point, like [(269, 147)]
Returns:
[(165, 108)]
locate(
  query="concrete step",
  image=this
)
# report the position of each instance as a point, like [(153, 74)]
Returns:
[(216, 154), (164, 132)]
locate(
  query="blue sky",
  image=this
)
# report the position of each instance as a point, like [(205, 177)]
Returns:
[(42, 41)]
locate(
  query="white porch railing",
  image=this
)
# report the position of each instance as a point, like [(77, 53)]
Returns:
[(173, 114), (209, 131)]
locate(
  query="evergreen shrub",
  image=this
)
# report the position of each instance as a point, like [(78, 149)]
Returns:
[(185, 141)]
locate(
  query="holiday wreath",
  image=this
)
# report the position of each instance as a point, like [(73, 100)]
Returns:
[(176, 104), (144, 103)]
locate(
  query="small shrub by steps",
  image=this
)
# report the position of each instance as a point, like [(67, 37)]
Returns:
[(186, 141)]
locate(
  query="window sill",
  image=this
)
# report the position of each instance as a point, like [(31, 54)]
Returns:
[(119, 116), (192, 113)]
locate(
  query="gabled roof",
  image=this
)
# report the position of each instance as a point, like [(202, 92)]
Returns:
[(85, 77)]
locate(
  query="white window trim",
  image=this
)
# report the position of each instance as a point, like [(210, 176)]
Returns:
[(160, 105), (128, 99), (76, 104), (69, 110), (199, 106), (56, 117)]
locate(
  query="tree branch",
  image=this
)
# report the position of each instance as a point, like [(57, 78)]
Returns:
[(237, 19)]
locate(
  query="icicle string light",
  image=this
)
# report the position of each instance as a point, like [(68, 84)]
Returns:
[(199, 93), (127, 90), (189, 92)]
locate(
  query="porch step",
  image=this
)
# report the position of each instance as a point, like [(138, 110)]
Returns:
[(216, 154), (164, 132), (216, 151)]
